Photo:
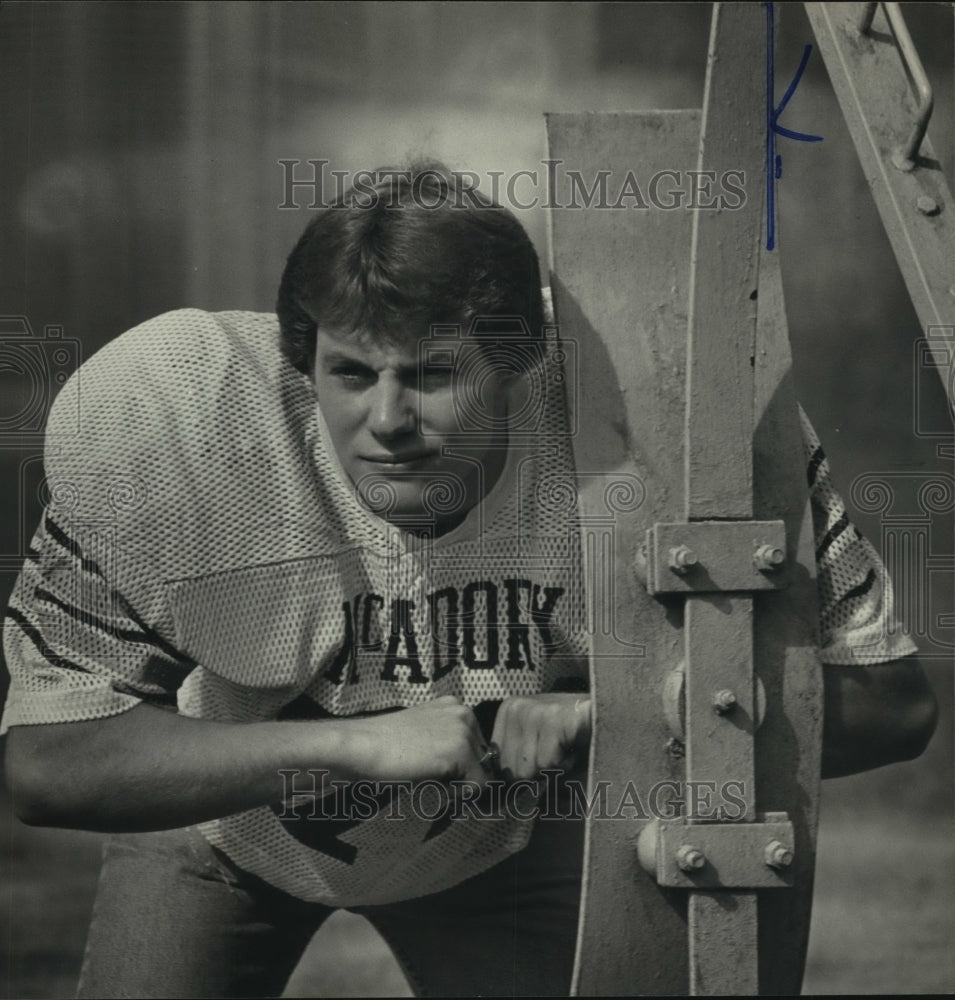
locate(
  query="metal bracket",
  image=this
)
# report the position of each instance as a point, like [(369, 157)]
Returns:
[(693, 557), (683, 855)]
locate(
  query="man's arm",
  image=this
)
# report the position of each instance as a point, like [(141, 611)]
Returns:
[(150, 769), (875, 715)]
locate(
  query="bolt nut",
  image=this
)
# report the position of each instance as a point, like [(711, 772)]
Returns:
[(927, 205), (724, 701), (690, 858), (682, 559), (777, 855), (768, 557)]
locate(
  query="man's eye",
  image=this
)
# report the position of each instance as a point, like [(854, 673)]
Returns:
[(435, 377), (351, 375)]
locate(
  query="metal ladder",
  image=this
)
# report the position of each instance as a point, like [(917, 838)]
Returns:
[(870, 57)]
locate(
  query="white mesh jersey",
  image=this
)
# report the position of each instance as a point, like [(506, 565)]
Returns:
[(857, 623), (202, 548)]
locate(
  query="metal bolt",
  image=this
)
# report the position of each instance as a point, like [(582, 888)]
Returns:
[(927, 205), (724, 701), (675, 748), (777, 855), (682, 559), (769, 557), (690, 858)]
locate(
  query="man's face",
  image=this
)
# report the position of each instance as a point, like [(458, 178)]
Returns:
[(397, 431)]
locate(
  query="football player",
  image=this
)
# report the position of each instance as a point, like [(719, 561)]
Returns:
[(303, 621)]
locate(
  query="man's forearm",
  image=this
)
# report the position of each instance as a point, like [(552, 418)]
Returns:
[(875, 715), (150, 769)]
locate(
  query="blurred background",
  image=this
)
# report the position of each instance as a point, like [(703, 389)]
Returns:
[(140, 171)]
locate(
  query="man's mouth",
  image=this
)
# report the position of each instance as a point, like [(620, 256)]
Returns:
[(397, 461)]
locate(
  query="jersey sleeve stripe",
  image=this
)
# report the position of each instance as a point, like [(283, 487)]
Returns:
[(87, 618), (164, 699), (71, 546), (832, 534), (147, 634), (151, 635), (861, 589), (816, 459), (33, 634)]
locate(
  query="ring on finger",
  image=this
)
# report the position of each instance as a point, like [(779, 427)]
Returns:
[(490, 757)]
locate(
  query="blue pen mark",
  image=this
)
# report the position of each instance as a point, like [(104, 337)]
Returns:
[(774, 162)]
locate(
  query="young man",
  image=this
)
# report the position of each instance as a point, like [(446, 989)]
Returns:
[(340, 544)]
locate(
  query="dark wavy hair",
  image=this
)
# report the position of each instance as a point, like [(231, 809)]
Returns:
[(403, 250)]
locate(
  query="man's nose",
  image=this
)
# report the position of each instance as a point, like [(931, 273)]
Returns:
[(392, 410)]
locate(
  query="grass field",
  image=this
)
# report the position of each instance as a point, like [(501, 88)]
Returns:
[(882, 921), (883, 908)]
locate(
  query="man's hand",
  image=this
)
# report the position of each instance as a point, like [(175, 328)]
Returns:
[(541, 731), (438, 739)]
